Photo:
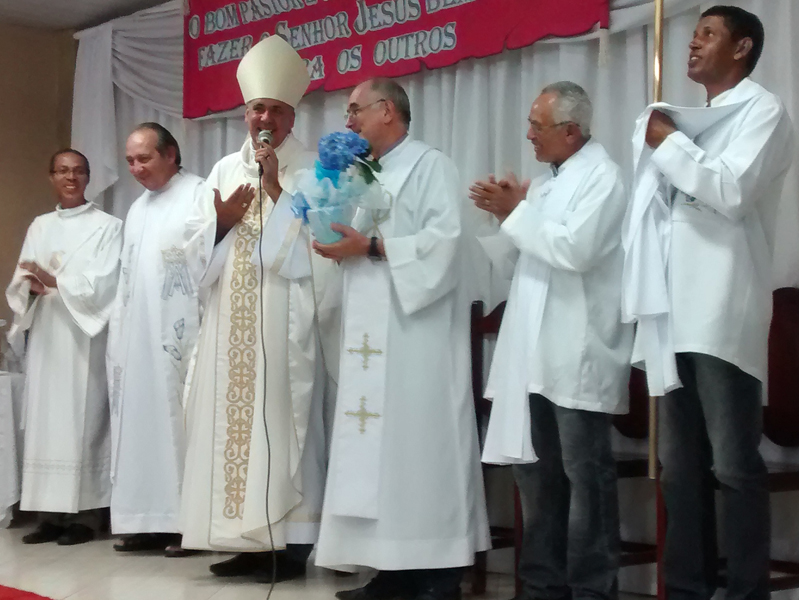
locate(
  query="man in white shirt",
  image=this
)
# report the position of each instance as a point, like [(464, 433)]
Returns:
[(561, 365), (725, 187), (404, 490), (61, 295)]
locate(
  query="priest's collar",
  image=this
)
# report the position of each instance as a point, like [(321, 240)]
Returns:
[(574, 158), (168, 185), (395, 144), (732, 95), (72, 212), (393, 152)]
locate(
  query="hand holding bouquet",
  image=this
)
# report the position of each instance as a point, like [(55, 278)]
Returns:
[(342, 180)]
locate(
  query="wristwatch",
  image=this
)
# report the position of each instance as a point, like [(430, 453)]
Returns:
[(374, 252)]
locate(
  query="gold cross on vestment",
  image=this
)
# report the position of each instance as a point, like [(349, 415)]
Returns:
[(365, 351), (362, 415)]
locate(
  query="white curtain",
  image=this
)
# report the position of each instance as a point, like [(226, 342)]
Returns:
[(130, 70)]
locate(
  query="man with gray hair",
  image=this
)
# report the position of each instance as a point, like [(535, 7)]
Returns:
[(561, 364)]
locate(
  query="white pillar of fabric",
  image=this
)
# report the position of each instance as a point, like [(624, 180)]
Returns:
[(94, 116)]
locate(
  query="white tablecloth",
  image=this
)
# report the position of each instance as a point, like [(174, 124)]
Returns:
[(11, 437)]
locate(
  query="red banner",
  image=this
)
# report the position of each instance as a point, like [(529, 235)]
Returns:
[(345, 42)]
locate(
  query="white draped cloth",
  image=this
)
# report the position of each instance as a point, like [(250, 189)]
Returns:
[(561, 333), (430, 507), (11, 442), (65, 413), (699, 236), (233, 393), (152, 334)]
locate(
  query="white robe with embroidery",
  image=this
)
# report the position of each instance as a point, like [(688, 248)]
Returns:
[(153, 330), (67, 447), (229, 457), (430, 501)]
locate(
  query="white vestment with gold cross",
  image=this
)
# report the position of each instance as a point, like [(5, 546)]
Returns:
[(405, 488), (229, 457)]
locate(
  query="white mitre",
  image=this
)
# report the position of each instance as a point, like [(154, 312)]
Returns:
[(273, 69)]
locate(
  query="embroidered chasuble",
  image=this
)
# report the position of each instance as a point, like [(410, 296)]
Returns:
[(65, 414), (224, 490)]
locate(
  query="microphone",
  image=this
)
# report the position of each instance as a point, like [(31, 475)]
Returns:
[(264, 137)]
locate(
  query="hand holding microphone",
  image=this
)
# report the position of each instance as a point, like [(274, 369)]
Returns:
[(268, 165), (264, 139)]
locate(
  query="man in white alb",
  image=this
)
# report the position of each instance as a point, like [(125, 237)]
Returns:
[(718, 174), (152, 334), (255, 400), (404, 492), (61, 295), (562, 362)]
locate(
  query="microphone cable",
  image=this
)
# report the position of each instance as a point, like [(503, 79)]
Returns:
[(261, 324), (263, 350)]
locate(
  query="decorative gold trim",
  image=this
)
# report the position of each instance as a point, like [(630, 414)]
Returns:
[(242, 362)]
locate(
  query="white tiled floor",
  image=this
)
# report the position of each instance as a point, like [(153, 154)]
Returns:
[(94, 571)]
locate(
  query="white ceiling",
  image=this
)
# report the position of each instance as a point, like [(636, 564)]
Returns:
[(68, 14)]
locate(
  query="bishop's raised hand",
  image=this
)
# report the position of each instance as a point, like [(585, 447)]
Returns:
[(232, 210)]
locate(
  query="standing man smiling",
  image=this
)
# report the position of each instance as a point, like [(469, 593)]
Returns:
[(724, 188), (61, 295), (153, 331), (404, 494), (257, 454), (562, 362)]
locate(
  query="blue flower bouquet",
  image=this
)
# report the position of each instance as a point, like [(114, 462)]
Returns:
[(342, 179)]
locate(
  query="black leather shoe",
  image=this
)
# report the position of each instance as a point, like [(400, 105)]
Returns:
[(285, 569), (75, 534), (439, 595), (46, 532), (145, 542), (383, 586), (245, 563)]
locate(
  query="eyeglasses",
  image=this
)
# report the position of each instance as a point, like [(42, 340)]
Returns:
[(64, 171), (538, 128), (354, 111)]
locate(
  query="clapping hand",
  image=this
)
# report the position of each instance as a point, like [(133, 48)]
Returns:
[(40, 279), (500, 198)]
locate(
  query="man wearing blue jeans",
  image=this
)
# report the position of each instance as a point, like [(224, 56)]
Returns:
[(725, 189), (562, 350)]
